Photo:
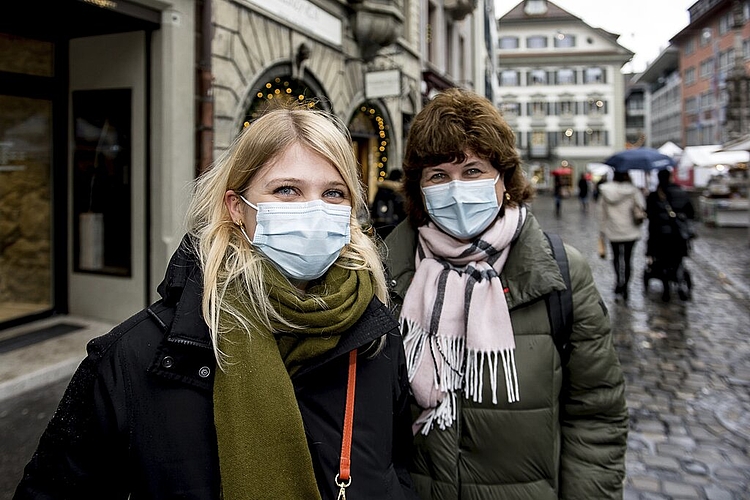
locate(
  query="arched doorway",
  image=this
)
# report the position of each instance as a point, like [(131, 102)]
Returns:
[(278, 84), (370, 132)]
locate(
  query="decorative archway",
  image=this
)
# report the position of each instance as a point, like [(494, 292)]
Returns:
[(370, 130), (277, 83)]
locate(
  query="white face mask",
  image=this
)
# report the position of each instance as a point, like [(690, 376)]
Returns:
[(303, 239), (463, 209)]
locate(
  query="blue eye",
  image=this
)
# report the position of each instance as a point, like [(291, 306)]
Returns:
[(334, 193), (284, 190)]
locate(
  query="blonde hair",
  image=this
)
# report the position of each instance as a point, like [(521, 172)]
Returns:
[(226, 258)]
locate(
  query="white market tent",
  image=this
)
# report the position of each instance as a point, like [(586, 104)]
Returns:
[(699, 163), (671, 149)]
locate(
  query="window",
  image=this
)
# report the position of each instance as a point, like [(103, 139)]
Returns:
[(568, 137), (726, 60), (746, 49), (691, 105), (594, 75), (567, 108), (536, 42), (564, 41), (537, 108), (707, 67), (725, 23), (508, 78), (508, 42), (595, 106), (566, 76), (690, 46), (706, 100), (595, 137), (706, 36), (537, 77), (510, 109), (690, 76)]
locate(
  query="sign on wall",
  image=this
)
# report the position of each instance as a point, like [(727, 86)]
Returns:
[(383, 84)]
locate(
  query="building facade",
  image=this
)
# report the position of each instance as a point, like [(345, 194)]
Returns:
[(107, 120), (663, 94), (714, 45), (560, 88)]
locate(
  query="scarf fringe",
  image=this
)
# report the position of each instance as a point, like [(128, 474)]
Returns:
[(450, 375)]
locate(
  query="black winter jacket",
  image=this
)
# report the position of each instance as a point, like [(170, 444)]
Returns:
[(136, 420), (664, 239)]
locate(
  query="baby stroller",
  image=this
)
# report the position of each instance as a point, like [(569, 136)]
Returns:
[(671, 274)]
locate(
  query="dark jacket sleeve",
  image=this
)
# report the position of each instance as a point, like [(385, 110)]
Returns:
[(594, 414), (403, 438), (79, 455)]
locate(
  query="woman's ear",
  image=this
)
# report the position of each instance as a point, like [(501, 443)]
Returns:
[(234, 205)]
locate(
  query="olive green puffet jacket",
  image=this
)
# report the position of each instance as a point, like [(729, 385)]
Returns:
[(566, 437)]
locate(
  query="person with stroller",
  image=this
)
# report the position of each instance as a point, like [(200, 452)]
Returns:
[(670, 214)]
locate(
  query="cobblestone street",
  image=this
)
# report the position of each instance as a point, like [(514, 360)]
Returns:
[(687, 364)]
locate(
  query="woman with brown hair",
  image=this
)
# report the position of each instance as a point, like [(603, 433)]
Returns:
[(500, 412)]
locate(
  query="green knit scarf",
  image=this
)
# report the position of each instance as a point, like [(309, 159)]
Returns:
[(263, 451)]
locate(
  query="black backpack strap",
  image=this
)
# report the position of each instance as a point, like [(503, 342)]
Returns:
[(560, 303)]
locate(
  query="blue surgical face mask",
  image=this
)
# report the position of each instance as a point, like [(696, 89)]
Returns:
[(303, 240), (463, 209)]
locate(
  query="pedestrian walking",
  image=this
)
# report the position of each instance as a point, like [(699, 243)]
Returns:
[(621, 213), (583, 192), (558, 194), (670, 217), (501, 412), (241, 382)]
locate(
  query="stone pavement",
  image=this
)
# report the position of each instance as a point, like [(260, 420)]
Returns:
[(687, 368), (687, 365)]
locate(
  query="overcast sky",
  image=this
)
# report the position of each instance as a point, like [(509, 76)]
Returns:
[(644, 26)]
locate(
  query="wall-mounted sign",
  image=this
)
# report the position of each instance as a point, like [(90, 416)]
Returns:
[(383, 84), (305, 15)]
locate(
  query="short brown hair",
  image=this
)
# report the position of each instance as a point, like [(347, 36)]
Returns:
[(454, 122)]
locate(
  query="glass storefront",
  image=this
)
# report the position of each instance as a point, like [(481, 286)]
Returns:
[(25, 206)]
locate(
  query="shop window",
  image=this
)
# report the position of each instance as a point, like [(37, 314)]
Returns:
[(102, 182)]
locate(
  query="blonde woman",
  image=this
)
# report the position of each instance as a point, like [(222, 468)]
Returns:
[(238, 382)]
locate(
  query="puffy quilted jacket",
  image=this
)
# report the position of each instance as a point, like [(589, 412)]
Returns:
[(566, 437)]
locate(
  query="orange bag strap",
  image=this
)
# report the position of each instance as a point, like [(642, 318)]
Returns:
[(343, 478)]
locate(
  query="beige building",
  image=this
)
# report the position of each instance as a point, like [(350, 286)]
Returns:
[(106, 119), (560, 88)]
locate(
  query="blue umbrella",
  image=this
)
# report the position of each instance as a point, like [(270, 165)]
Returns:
[(639, 159)]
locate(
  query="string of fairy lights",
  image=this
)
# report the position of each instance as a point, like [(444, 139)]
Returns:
[(286, 90)]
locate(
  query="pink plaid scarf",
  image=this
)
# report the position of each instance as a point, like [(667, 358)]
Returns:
[(455, 319)]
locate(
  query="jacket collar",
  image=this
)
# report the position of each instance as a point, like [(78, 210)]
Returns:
[(182, 288)]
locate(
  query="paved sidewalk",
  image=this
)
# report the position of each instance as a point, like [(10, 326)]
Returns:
[(686, 364)]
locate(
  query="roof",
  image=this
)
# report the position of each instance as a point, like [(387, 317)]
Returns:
[(553, 12), (708, 156), (556, 14), (666, 62)]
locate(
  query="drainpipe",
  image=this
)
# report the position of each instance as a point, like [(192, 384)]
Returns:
[(205, 125)]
